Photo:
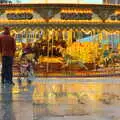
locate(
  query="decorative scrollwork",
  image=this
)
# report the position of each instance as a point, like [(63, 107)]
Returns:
[(48, 13), (1, 12), (103, 13)]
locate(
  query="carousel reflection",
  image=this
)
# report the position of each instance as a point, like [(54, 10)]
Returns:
[(65, 93), (65, 99), (7, 103), (53, 99)]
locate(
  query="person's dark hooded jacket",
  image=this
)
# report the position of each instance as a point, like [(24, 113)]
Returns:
[(7, 43)]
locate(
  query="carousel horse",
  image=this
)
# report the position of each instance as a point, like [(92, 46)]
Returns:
[(111, 59), (69, 60)]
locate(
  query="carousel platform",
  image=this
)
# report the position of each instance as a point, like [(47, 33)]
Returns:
[(55, 67), (108, 72)]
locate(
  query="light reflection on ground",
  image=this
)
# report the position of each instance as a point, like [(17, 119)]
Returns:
[(86, 101)]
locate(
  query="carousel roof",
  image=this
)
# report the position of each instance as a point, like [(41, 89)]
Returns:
[(10, 5), (101, 10), (56, 4)]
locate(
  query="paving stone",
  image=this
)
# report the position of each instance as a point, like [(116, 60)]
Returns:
[(60, 101)]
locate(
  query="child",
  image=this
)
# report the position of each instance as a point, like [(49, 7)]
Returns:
[(26, 70)]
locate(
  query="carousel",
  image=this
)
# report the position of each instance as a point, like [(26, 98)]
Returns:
[(66, 39)]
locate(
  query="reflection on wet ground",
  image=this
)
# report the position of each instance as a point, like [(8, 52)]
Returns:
[(57, 101)]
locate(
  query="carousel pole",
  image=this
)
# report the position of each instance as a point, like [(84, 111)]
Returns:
[(119, 41), (116, 44), (119, 36), (52, 44), (113, 39), (99, 43), (94, 40), (80, 32), (47, 51)]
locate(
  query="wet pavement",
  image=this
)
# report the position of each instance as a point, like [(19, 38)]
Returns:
[(61, 99)]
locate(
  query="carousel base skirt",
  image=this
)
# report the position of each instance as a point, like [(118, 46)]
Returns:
[(71, 74), (56, 70)]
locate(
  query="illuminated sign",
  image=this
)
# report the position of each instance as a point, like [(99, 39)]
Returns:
[(76, 16), (19, 16), (115, 17)]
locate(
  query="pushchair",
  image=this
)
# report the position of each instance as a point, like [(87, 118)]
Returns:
[(25, 66)]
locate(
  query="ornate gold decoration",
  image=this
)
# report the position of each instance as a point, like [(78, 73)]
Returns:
[(2, 12), (103, 13), (48, 13)]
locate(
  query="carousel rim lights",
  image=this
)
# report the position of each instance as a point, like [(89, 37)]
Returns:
[(76, 21), (56, 21), (19, 11), (21, 21), (76, 11), (111, 21), (117, 12)]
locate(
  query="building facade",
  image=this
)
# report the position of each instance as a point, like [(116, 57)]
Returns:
[(111, 1), (5, 1)]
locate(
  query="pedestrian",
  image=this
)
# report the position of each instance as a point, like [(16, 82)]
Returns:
[(7, 50)]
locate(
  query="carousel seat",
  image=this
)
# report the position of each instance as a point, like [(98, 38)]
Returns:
[(49, 63), (56, 64)]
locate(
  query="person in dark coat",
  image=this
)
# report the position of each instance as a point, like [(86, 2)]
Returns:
[(7, 50)]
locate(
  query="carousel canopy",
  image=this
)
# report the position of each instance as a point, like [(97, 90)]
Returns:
[(61, 15)]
